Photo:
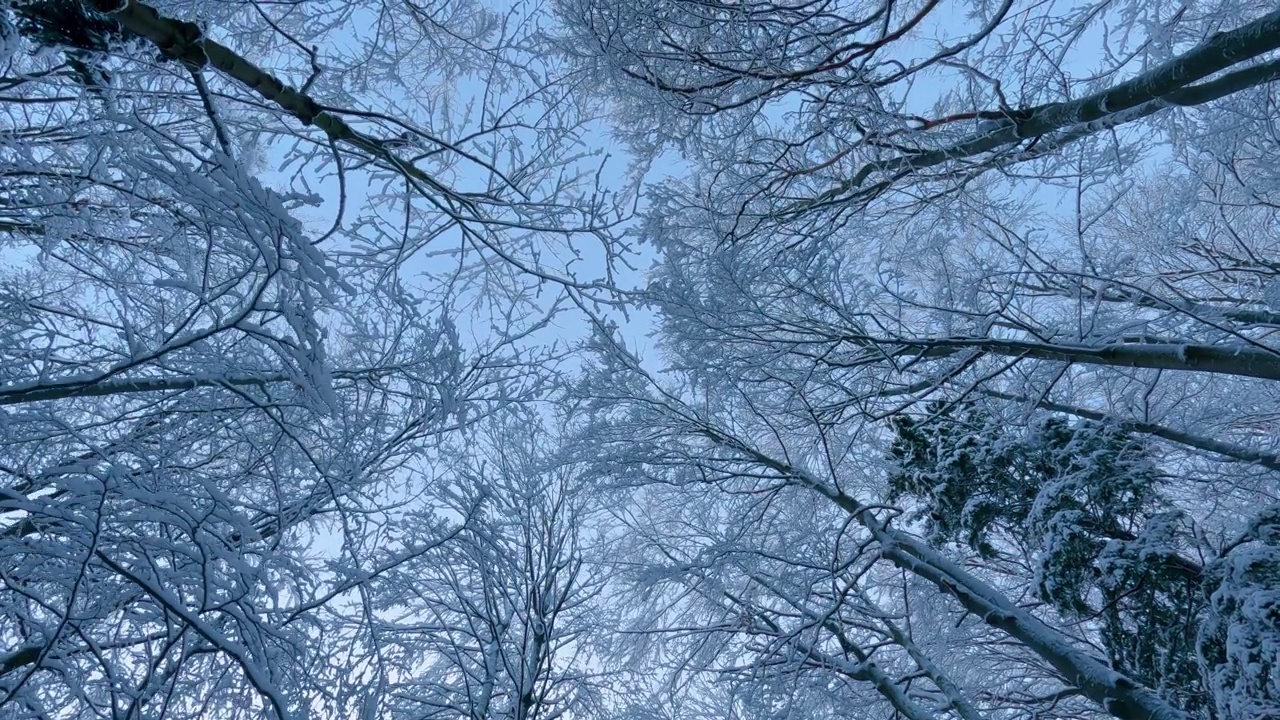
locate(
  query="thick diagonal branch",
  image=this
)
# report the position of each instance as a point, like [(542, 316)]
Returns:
[(1170, 84), (99, 386), (1239, 359), (185, 41), (1122, 696)]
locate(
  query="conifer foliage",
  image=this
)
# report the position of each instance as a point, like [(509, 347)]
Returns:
[(1080, 504)]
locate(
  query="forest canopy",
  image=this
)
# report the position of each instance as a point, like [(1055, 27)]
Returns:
[(645, 360)]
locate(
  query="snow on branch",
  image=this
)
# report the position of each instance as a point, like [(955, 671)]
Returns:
[(185, 41), (1170, 84)]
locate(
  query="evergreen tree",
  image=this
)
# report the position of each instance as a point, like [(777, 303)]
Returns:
[(1081, 502), (1240, 639)]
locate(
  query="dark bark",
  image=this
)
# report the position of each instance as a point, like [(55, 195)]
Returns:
[(1171, 84), (1239, 359)]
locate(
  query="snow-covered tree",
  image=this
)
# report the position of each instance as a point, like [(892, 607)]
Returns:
[(499, 623), (1081, 507), (965, 408), (1240, 644), (257, 260), (779, 503), (1059, 216)]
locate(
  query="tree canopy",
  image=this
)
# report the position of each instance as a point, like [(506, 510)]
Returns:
[(646, 360)]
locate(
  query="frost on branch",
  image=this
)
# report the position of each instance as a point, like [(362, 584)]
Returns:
[(1240, 640), (216, 377), (1082, 505)]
